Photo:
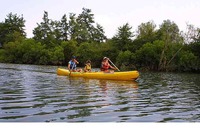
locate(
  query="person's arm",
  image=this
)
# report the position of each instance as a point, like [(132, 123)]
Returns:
[(112, 67), (85, 69), (76, 62), (68, 66)]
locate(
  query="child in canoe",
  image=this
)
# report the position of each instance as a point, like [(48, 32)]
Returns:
[(88, 67)]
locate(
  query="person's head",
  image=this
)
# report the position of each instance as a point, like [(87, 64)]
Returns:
[(105, 58), (73, 57), (88, 61)]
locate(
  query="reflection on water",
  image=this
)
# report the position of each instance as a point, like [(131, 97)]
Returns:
[(31, 93)]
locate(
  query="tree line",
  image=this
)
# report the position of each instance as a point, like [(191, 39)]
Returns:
[(54, 42)]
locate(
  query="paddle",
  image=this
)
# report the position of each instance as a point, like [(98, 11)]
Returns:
[(70, 71), (113, 64)]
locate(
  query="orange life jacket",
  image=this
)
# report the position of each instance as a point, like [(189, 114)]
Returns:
[(104, 66)]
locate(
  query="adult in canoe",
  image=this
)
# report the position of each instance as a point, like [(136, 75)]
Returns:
[(105, 65), (72, 65)]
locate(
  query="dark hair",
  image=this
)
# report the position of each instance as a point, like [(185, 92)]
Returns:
[(88, 61), (73, 57)]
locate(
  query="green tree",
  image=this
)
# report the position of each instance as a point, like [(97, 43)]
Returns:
[(73, 27), (87, 32), (3, 33), (188, 62), (146, 33), (69, 49), (45, 32), (85, 22), (123, 39), (104, 49), (95, 52), (64, 28), (147, 57), (192, 39), (32, 52), (86, 52), (12, 27), (82, 28), (56, 55), (10, 51), (125, 60), (2, 57), (98, 34), (169, 33)]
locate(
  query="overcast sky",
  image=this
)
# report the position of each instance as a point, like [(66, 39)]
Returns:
[(108, 13)]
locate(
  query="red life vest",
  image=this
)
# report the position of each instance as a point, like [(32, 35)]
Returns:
[(104, 66)]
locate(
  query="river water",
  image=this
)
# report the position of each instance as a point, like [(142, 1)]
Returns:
[(32, 93)]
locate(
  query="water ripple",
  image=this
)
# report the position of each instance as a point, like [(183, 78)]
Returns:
[(36, 94)]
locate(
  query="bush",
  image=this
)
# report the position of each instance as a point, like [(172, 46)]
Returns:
[(188, 62), (148, 55), (69, 49), (124, 60)]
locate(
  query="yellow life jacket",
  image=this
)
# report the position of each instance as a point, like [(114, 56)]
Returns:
[(88, 67)]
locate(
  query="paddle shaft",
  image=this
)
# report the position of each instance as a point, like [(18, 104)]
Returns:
[(113, 64), (75, 62)]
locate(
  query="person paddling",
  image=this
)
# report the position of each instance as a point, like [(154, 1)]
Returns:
[(105, 65), (72, 65)]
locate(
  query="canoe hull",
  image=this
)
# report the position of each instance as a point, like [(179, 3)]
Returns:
[(65, 72), (128, 75)]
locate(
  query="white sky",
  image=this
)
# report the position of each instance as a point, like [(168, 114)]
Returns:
[(108, 13)]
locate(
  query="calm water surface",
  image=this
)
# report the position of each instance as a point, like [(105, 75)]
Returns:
[(31, 93)]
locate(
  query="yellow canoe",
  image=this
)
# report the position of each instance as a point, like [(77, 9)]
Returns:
[(127, 75)]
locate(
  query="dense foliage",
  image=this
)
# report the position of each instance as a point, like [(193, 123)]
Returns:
[(163, 48)]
